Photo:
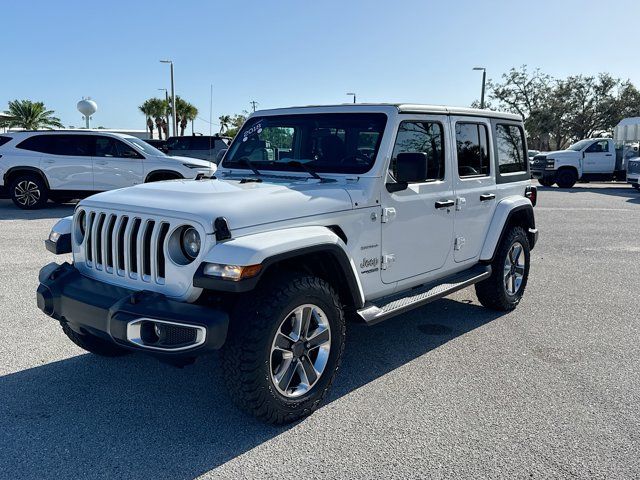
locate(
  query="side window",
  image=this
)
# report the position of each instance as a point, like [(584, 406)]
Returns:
[(421, 137), (598, 147), (511, 154), (37, 143), (111, 147), (4, 140), (179, 143), (472, 145), (71, 145)]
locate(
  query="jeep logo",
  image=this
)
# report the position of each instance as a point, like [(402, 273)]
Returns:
[(369, 262)]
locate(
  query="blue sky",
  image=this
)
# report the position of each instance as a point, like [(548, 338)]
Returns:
[(283, 53)]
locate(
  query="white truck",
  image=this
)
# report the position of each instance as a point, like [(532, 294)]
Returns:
[(586, 160), (317, 215)]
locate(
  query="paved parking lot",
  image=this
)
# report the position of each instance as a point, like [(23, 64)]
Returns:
[(449, 390)]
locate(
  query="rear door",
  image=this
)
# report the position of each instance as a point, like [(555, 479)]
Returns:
[(115, 164), (67, 162), (417, 223), (474, 185), (599, 157)]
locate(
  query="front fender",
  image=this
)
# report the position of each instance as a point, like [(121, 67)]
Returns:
[(59, 240), (267, 248), (504, 210)]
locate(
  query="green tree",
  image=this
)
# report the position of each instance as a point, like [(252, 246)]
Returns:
[(236, 122), (29, 116), (147, 109), (225, 121), (157, 109), (185, 113)]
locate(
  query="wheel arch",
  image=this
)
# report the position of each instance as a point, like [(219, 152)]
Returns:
[(163, 172), (509, 213), (13, 172), (314, 250)]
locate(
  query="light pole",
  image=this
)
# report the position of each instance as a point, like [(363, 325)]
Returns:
[(354, 96), (174, 123), (484, 81)]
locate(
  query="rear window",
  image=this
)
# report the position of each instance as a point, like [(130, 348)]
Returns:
[(37, 143), (511, 153), (4, 140)]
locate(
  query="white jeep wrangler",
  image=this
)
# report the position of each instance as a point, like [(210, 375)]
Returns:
[(317, 214)]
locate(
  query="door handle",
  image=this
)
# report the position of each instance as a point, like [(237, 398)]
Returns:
[(101, 163), (609, 155), (487, 196), (49, 161), (445, 204)]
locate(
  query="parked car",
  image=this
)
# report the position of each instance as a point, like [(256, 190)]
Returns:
[(199, 146), (633, 172), (589, 159), (317, 214), (64, 165)]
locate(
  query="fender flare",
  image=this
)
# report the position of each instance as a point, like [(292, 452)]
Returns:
[(505, 211), (26, 168), (270, 248)]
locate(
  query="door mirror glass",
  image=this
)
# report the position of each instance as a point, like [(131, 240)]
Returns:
[(411, 167)]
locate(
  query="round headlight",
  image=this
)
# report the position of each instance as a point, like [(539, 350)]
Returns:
[(190, 242)]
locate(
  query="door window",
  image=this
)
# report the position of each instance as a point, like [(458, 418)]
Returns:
[(71, 145), (421, 137), (598, 147), (37, 143), (511, 153), (111, 147), (472, 145)]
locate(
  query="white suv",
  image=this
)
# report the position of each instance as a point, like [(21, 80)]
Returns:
[(318, 214), (62, 165)]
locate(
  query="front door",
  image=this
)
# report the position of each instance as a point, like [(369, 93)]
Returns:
[(417, 223), (116, 164), (474, 186), (66, 162), (598, 158)]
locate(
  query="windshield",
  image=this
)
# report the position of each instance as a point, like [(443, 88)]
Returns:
[(145, 147), (579, 145), (329, 143)]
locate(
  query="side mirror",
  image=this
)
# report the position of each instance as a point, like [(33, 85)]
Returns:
[(220, 155), (410, 167)]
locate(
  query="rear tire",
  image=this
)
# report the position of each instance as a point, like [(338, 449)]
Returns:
[(503, 290), (93, 344), (566, 178), (271, 369), (29, 191)]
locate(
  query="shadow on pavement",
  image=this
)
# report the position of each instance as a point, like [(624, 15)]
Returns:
[(8, 211), (136, 417), (614, 190)]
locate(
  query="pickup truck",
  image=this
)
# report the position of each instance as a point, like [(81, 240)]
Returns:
[(589, 159)]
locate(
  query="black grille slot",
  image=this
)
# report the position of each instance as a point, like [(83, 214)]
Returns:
[(98, 252), (109, 240), (89, 239), (146, 248), (121, 252), (133, 247), (164, 229)]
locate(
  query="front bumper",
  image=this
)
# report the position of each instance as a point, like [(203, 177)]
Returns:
[(633, 181), (113, 313), (543, 174)]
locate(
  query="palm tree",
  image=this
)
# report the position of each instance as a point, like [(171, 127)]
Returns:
[(225, 121), (147, 109), (29, 116), (185, 112)]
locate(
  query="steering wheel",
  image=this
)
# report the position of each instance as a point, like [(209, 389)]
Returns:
[(360, 158)]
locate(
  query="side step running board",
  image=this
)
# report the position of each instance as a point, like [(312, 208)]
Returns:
[(387, 307)]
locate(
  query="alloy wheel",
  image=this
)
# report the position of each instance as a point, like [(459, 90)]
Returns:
[(300, 351), (514, 266), (27, 193)]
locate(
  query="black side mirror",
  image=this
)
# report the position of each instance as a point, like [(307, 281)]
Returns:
[(220, 155), (410, 167)]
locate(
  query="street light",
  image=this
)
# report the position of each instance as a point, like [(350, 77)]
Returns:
[(354, 96), (174, 122), (484, 81)]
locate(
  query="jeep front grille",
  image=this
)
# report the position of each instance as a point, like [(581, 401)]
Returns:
[(633, 167), (126, 245)]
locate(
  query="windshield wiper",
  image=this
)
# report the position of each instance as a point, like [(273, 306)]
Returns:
[(306, 168), (248, 163)]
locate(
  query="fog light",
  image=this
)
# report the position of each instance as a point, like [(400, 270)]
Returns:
[(231, 272)]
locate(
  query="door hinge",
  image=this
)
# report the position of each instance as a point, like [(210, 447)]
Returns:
[(458, 243), (460, 202), (387, 260), (388, 214)]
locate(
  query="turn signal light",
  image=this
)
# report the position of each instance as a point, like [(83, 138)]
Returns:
[(532, 194), (231, 272)]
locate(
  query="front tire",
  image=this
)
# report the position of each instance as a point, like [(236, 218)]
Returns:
[(545, 182), (93, 344), (566, 178), (284, 347), (29, 191), (503, 290)]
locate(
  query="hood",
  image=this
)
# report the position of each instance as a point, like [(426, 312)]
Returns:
[(242, 204), (562, 153)]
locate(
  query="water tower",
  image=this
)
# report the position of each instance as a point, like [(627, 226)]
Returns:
[(87, 107)]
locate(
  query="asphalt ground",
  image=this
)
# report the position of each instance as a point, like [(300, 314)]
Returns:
[(451, 390)]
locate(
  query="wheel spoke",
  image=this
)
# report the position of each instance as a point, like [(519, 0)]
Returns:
[(308, 373), (283, 342), (520, 270), (287, 370), (517, 250), (319, 338)]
